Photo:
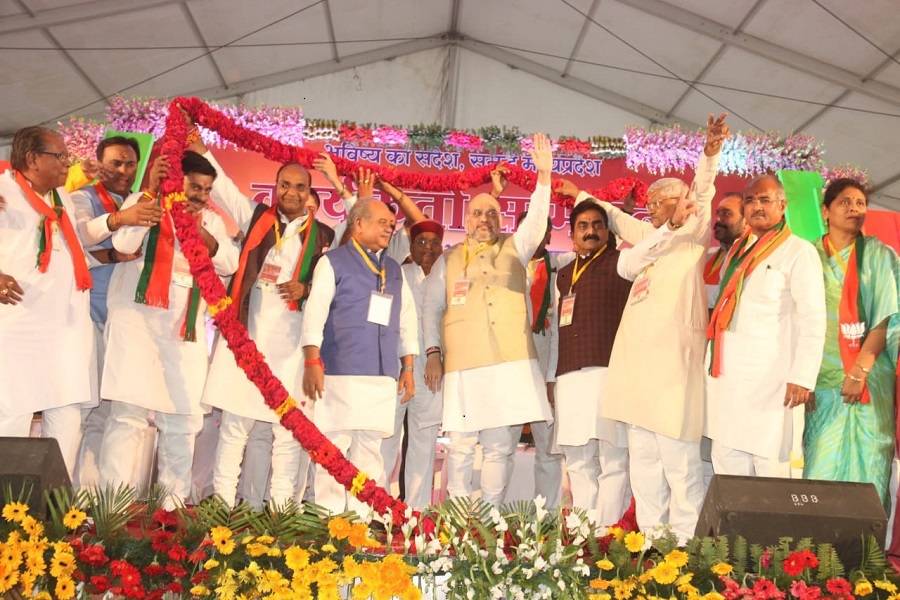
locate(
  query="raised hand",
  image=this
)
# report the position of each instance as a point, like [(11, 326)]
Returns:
[(94, 169), (158, 171), (326, 166), (687, 206), (365, 183), (716, 132), (542, 158), (566, 188), (498, 179)]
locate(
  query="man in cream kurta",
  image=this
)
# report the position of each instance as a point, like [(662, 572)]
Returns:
[(772, 350), (270, 306), (148, 365), (655, 378), (45, 325), (475, 313), (360, 318)]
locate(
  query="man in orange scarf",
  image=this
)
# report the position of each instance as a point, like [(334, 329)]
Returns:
[(767, 332), (727, 228), (45, 324)]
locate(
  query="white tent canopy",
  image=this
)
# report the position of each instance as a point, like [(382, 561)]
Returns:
[(829, 68)]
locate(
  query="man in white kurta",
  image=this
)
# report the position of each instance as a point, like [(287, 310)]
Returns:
[(45, 325), (772, 349), (655, 378), (493, 380), (268, 289), (97, 216), (422, 412), (360, 318), (148, 365)]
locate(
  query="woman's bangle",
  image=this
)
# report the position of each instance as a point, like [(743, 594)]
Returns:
[(856, 379), (406, 368), (433, 350), (863, 369)]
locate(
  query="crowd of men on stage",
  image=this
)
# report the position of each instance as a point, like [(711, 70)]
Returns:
[(603, 350)]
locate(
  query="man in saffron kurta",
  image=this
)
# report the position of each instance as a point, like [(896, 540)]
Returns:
[(475, 313), (360, 318), (655, 379), (767, 333), (156, 356), (45, 324), (269, 289)]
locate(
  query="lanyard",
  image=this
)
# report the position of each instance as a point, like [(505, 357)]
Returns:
[(466, 258), (576, 272), (280, 240), (834, 252), (380, 272)]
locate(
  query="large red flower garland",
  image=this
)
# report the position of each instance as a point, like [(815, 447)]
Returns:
[(248, 357)]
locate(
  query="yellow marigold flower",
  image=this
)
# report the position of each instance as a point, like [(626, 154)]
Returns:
[(296, 558), (634, 541), (339, 528), (35, 565), (863, 588), (10, 558), (32, 527), (713, 596), (247, 539), (199, 590), (74, 518), (677, 558), (220, 533), (604, 564), (265, 539), (599, 583), (8, 578), (617, 533), (329, 548), (884, 584), (257, 549), (645, 576), (211, 564), (358, 482), (285, 407), (225, 547), (26, 582), (665, 573), (62, 565), (599, 597), (43, 596), (65, 588), (721, 568), (15, 511)]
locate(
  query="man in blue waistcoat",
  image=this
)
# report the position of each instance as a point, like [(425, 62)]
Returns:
[(360, 317), (97, 216)]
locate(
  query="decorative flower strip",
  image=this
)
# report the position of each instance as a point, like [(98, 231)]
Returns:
[(247, 355), (659, 150)]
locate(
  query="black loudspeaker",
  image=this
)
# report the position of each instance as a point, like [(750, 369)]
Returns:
[(34, 465), (763, 509)]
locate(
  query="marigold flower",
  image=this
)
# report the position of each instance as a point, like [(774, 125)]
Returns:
[(721, 568), (65, 588), (62, 565), (296, 558), (665, 573), (74, 518), (339, 528), (884, 584), (863, 588), (219, 534), (15, 511), (634, 541), (677, 558), (604, 564)]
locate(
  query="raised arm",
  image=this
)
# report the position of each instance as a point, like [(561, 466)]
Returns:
[(622, 224), (533, 228), (410, 209)]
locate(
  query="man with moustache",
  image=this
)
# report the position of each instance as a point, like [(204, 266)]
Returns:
[(97, 216), (423, 411), (281, 246), (662, 329), (156, 355), (45, 327), (767, 333), (590, 296), (475, 316), (359, 319), (728, 227)]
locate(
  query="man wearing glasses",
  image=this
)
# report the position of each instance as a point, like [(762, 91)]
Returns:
[(45, 327), (476, 321), (156, 335)]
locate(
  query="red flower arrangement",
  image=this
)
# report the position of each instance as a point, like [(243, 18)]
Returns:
[(799, 560)]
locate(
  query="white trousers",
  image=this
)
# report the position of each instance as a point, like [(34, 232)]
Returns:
[(62, 424), (547, 466), (234, 432), (728, 461), (497, 446), (667, 481), (598, 477), (122, 440), (418, 472), (93, 421), (363, 449)]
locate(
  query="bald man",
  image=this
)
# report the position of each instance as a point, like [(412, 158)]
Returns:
[(477, 330)]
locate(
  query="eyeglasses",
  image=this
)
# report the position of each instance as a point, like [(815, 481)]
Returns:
[(62, 157), (657, 203), (491, 212), (427, 242), (763, 200)]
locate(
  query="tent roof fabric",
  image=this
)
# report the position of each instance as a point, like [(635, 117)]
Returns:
[(829, 68)]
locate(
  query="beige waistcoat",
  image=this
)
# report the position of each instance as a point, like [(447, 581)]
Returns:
[(492, 327)]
